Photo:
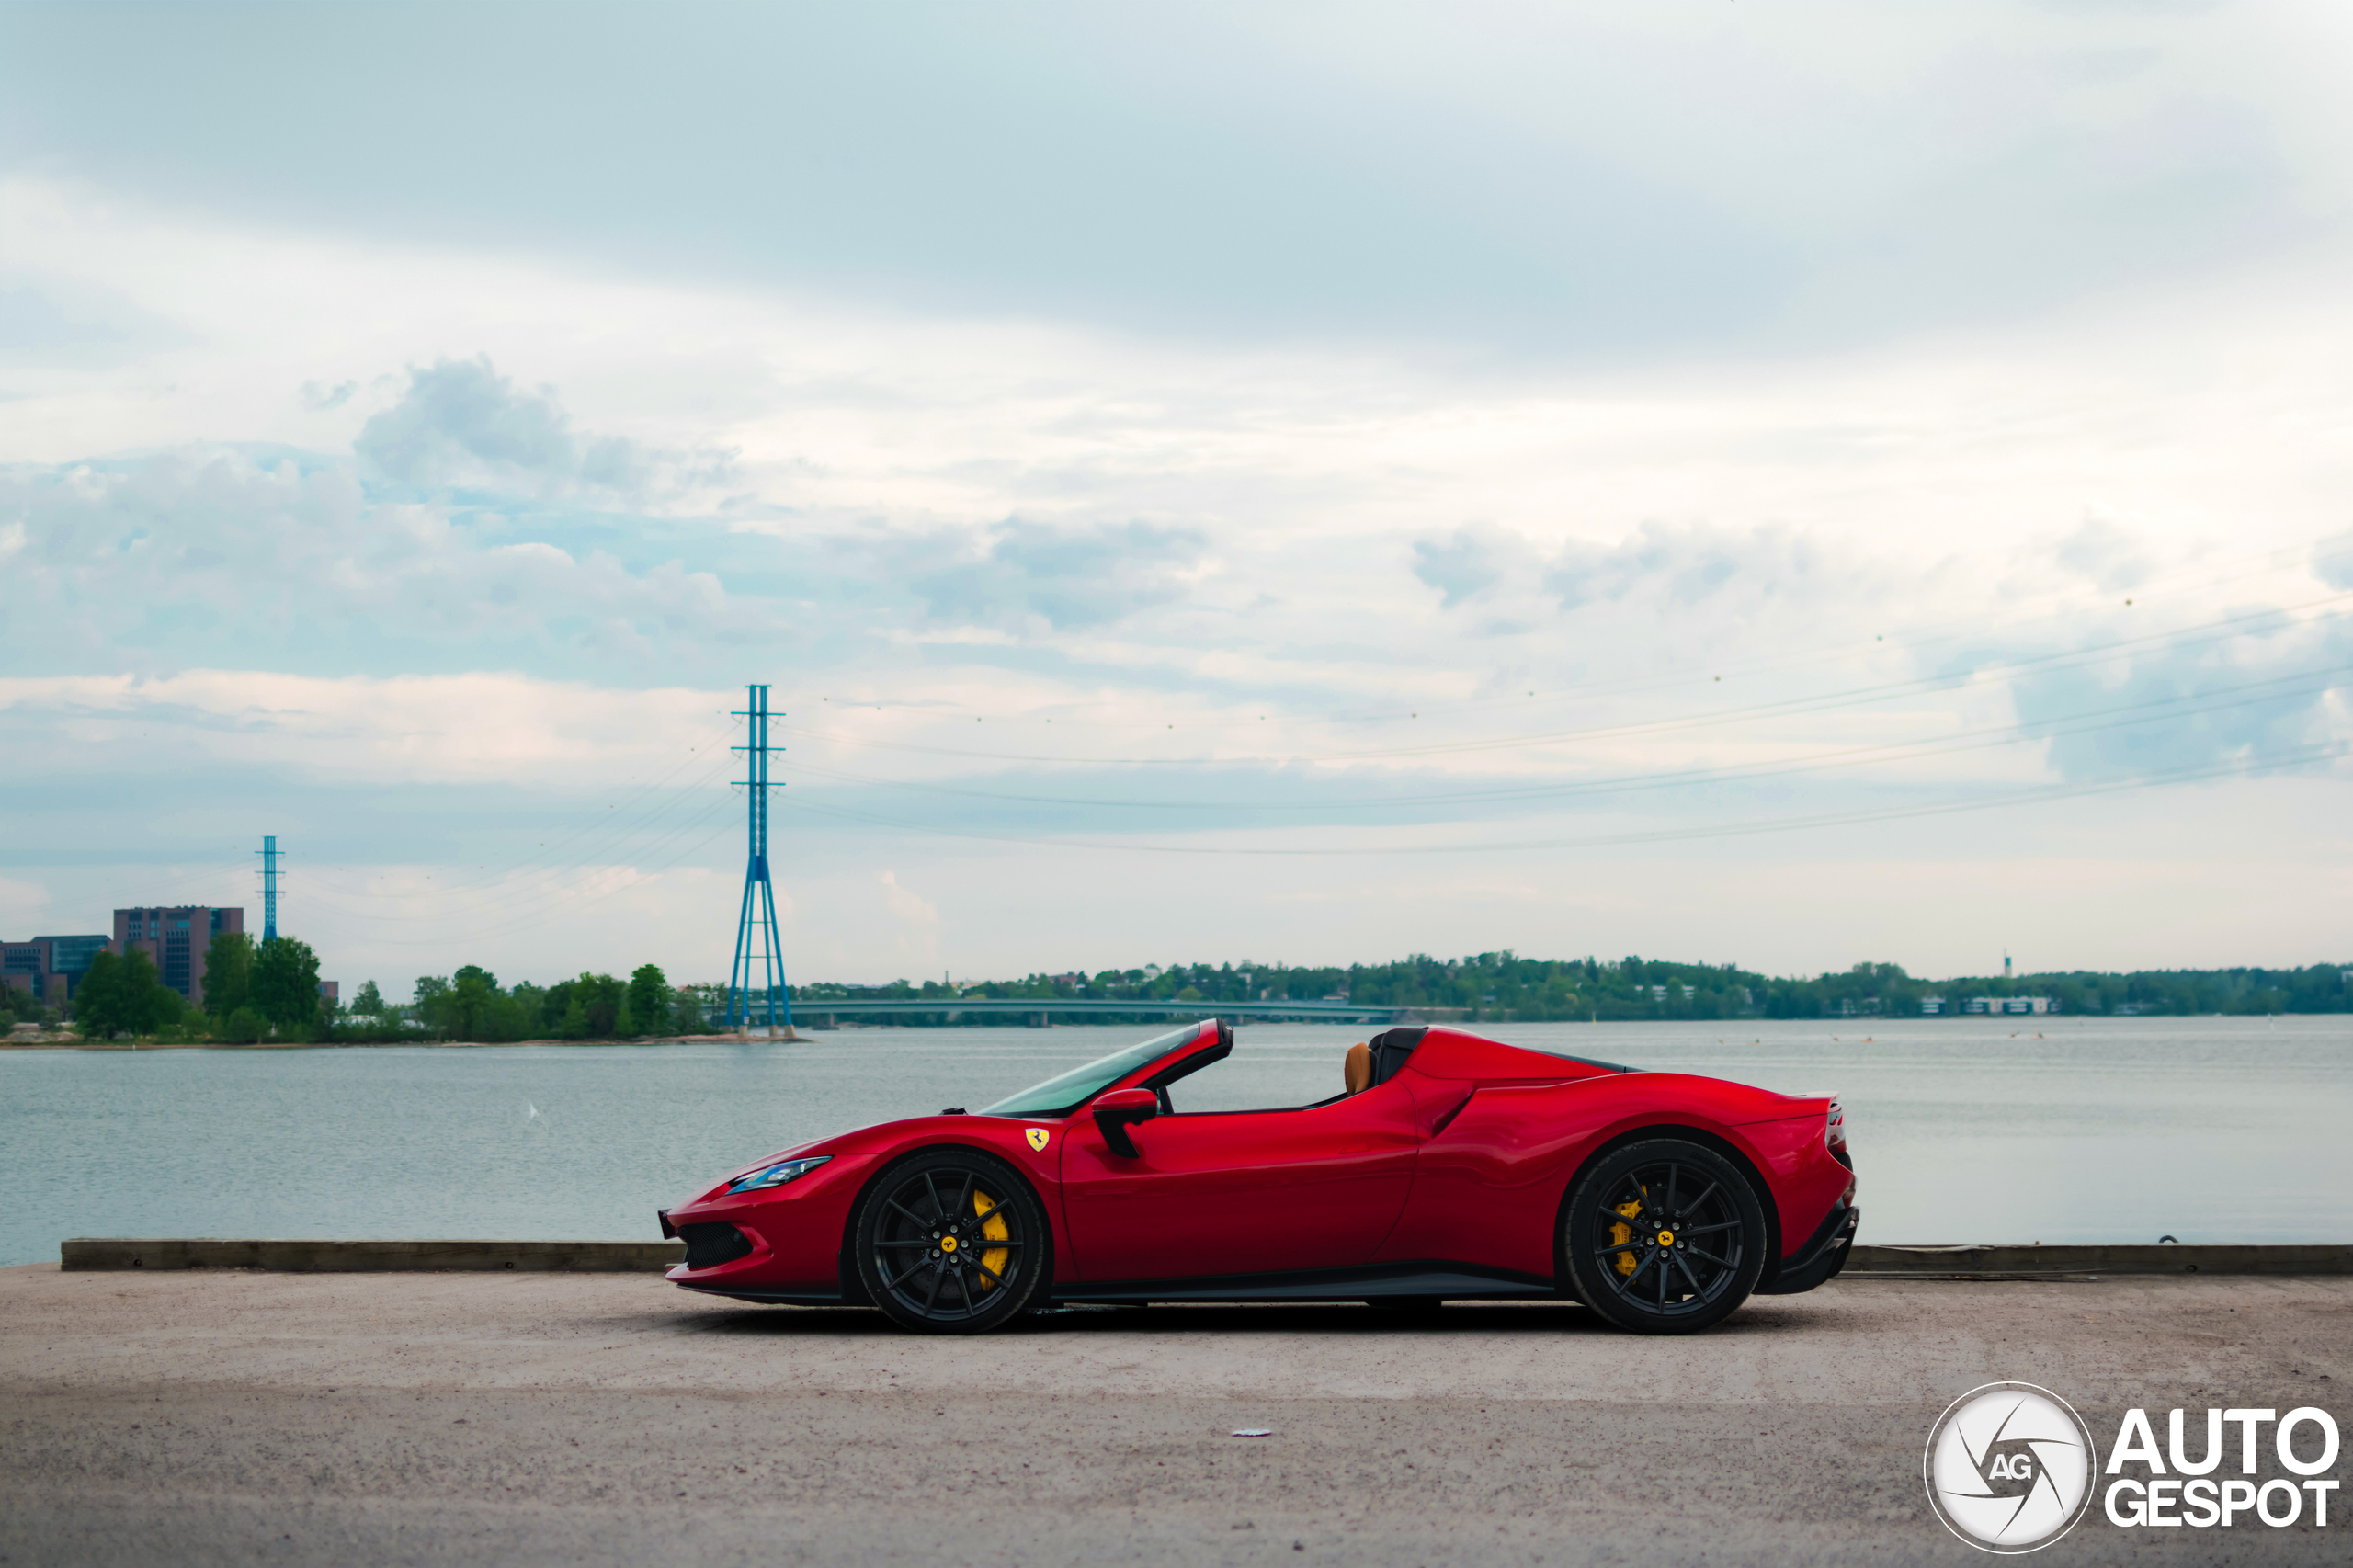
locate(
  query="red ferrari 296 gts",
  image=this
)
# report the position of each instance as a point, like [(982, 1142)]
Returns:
[(1448, 1167)]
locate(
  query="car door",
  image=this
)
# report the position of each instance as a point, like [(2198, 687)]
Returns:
[(1217, 1193)]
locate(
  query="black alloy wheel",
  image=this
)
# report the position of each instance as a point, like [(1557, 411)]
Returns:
[(1662, 1236), (952, 1241)]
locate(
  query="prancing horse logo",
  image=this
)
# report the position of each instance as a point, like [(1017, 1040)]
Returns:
[(1036, 1136)]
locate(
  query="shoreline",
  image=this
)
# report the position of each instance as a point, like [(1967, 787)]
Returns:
[(75, 1043)]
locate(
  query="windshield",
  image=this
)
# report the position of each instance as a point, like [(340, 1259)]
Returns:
[(1056, 1096)]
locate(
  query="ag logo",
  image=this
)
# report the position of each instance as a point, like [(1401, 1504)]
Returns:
[(2009, 1467), (1036, 1136)]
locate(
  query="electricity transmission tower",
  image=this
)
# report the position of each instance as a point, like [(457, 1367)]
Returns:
[(269, 853), (756, 924)]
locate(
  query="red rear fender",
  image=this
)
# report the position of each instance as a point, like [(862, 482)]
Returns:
[(1487, 1188)]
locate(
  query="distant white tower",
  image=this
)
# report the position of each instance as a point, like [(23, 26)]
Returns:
[(2006, 963)]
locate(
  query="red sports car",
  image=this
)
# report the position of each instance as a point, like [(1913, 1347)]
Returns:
[(1447, 1167)]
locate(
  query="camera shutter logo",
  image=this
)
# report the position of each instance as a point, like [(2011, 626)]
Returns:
[(2010, 1467)]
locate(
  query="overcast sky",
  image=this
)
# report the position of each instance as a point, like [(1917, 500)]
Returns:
[(1751, 481)]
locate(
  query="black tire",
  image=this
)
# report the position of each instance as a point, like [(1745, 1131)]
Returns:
[(952, 1241), (1662, 1236)]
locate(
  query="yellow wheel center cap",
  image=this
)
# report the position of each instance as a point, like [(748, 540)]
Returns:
[(947, 1243), (1666, 1238)]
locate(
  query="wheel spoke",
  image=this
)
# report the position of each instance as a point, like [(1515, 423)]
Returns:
[(894, 1284), (984, 1268), (936, 1207), (934, 1296), (964, 1288), (965, 1199), (1697, 1288), (1702, 1201), (910, 1213), (1628, 1282), (1711, 1229), (1673, 1176), (1662, 1287), (1711, 1257), (1634, 1246)]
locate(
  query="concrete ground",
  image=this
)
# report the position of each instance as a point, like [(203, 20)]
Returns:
[(216, 1418)]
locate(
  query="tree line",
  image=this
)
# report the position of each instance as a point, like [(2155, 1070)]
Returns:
[(472, 1005), (1505, 986), (269, 990), (253, 991)]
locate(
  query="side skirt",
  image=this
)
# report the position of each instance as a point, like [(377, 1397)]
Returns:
[(1451, 1281)]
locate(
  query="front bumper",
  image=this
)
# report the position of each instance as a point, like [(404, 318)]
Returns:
[(785, 1244), (1820, 1260)]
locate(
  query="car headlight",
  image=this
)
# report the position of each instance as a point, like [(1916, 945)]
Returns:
[(778, 1175)]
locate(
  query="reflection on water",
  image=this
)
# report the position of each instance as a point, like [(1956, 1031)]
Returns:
[(2054, 1130)]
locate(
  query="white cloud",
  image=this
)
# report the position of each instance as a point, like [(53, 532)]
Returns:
[(994, 540), (400, 729)]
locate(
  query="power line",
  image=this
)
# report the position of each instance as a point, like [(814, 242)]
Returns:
[(2027, 732), (2217, 630), (1663, 836)]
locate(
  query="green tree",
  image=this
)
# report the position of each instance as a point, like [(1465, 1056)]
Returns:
[(649, 1000), (370, 1003), (121, 994), (286, 986), (593, 1006), (466, 1009), (228, 972)]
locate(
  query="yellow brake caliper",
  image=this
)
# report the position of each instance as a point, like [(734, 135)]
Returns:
[(1620, 1234), (992, 1229)]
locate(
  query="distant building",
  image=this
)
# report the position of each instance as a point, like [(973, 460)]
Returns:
[(50, 967), (2006, 1005), (176, 940), (1930, 1007)]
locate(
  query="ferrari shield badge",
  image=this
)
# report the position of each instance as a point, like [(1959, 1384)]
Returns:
[(1036, 1136)]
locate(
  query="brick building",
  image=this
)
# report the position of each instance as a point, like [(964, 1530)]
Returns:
[(50, 967), (176, 940)]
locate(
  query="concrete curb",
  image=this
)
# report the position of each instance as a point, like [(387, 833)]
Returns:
[(93, 1253), (2011, 1262), (1968, 1262)]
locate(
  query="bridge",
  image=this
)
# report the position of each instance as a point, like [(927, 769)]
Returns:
[(821, 1012)]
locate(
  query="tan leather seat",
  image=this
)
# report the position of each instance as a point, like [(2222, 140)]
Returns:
[(1356, 1068)]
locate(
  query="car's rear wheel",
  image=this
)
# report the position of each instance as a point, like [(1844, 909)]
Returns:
[(1662, 1236), (952, 1241)]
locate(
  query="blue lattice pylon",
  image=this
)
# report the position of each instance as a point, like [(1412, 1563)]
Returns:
[(756, 925)]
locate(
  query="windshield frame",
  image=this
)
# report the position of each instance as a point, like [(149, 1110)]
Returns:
[(1070, 1090)]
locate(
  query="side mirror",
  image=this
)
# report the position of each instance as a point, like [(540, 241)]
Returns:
[(1121, 1109)]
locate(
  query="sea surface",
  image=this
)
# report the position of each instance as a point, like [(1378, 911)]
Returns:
[(1963, 1130)]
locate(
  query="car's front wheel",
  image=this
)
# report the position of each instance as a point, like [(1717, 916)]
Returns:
[(1662, 1236), (952, 1241)]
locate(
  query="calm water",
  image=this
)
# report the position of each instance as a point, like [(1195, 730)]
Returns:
[(2012, 1129)]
